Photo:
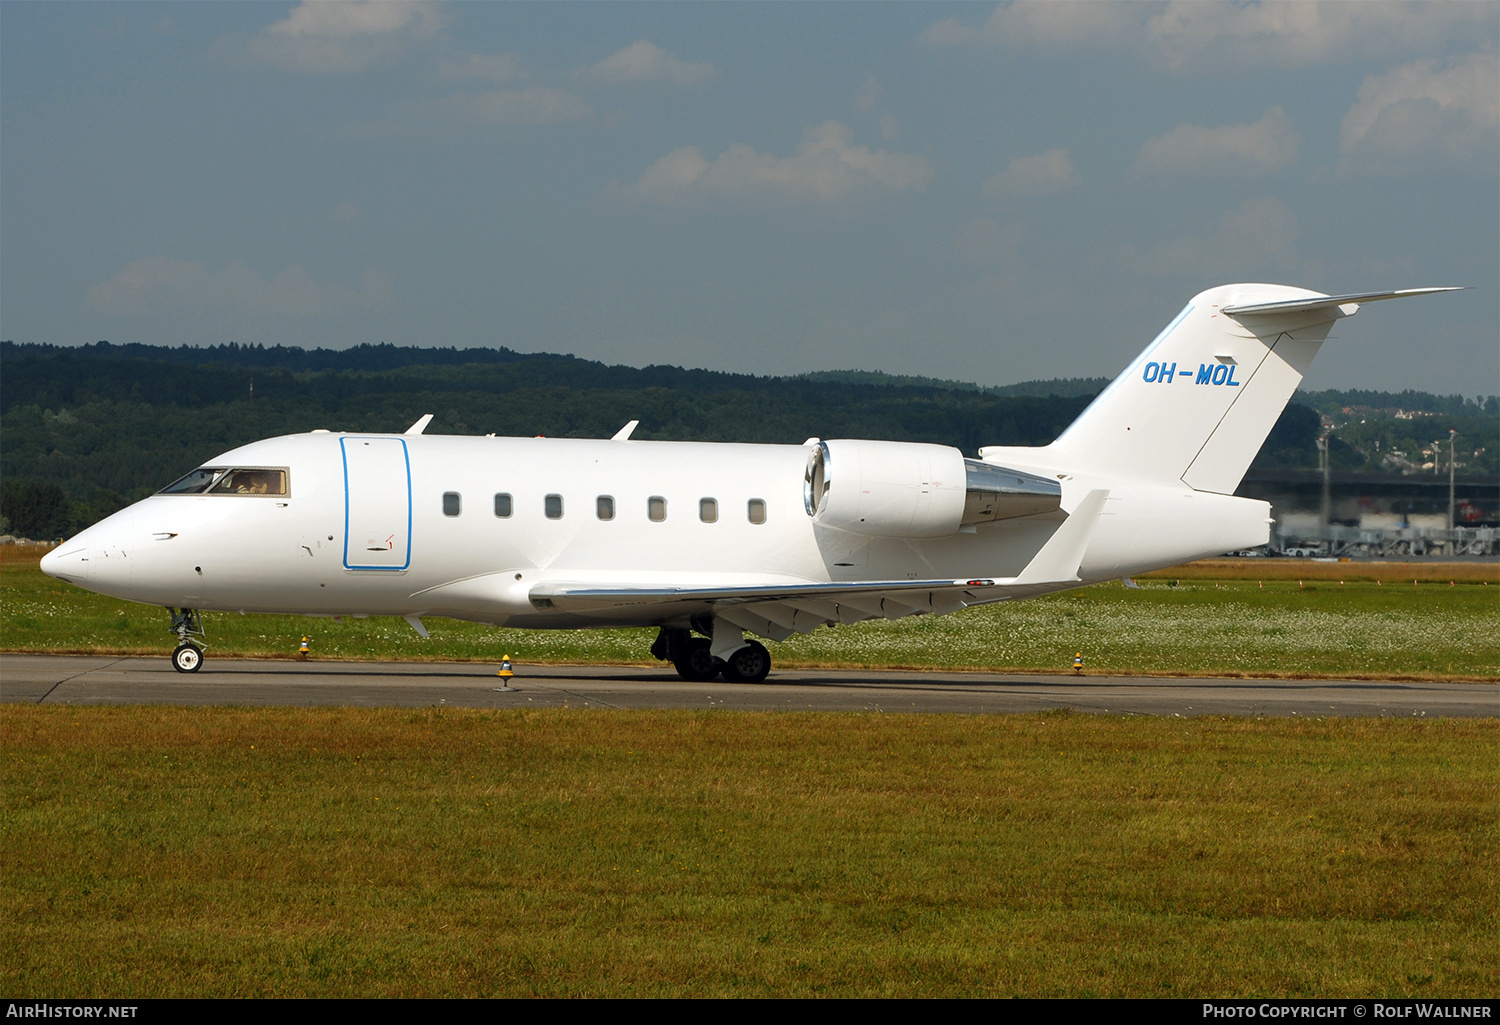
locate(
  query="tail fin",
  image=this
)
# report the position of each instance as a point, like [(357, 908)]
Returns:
[(1197, 404)]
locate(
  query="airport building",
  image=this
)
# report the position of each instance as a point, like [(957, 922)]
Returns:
[(1376, 515)]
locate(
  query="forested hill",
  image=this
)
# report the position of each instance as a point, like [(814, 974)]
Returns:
[(105, 359), (104, 423), (576, 372), (95, 425)]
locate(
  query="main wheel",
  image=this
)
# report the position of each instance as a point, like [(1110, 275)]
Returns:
[(696, 661), (187, 658), (748, 665)]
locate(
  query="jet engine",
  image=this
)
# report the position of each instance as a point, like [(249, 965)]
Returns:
[(906, 489)]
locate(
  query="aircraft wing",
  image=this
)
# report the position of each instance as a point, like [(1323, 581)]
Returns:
[(780, 610), (777, 610)]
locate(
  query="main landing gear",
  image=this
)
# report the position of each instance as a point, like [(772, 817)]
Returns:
[(693, 657), (188, 656)]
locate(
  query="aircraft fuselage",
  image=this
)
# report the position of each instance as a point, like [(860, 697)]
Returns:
[(467, 527)]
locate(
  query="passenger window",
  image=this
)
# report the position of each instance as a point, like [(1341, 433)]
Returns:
[(708, 510), (554, 507), (757, 510), (502, 505), (656, 508), (450, 503), (605, 506)]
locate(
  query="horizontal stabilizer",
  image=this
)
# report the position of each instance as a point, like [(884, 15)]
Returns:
[(1327, 301)]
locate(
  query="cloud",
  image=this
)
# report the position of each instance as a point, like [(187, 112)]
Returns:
[(827, 168), (1258, 238), (330, 37), (1187, 34), (1263, 147), (159, 285), (1425, 114), (1041, 175), (497, 67), (644, 62), (868, 94)]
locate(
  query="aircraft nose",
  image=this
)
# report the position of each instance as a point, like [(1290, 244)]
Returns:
[(68, 561)]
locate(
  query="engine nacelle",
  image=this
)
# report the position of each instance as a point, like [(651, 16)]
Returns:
[(906, 489), (886, 488)]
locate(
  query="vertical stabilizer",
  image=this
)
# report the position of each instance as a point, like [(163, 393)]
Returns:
[(1198, 403)]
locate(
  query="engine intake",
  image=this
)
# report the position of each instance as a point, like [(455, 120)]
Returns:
[(906, 489)]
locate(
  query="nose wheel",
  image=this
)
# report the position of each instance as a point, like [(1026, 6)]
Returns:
[(187, 658)]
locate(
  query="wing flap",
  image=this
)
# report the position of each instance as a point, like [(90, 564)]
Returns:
[(580, 597)]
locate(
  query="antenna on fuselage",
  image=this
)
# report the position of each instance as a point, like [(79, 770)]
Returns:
[(623, 434), (420, 425)]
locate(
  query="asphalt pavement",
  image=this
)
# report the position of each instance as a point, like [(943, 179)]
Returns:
[(93, 679)]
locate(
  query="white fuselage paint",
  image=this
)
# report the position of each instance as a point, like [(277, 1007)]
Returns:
[(362, 529)]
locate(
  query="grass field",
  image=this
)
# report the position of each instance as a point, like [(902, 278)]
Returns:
[(155, 851), (1264, 618)]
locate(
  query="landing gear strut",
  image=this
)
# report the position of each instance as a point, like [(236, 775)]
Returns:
[(693, 658), (188, 656)]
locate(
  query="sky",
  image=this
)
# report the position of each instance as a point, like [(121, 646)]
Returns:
[(989, 194)]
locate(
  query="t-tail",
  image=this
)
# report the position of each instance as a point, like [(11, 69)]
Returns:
[(1198, 403)]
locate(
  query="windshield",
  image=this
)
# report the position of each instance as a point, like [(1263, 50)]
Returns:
[(251, 482), (195, 483), (211, 480)]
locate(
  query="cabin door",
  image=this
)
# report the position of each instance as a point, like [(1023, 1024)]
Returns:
[(377, 503)]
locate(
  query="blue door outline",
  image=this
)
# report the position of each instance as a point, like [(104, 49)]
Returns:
[(348, 499)]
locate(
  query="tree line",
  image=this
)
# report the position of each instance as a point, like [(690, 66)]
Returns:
[(87, 430)]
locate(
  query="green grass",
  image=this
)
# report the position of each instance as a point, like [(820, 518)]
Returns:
[(1199, 627), (155, 851)]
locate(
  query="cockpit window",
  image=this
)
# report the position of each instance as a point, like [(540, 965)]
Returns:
[(250, 482), (195, 483), (209, 480)]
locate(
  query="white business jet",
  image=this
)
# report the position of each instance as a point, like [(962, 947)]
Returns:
[(710, 542)]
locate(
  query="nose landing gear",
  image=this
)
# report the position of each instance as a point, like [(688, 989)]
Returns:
[(188, 656)]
